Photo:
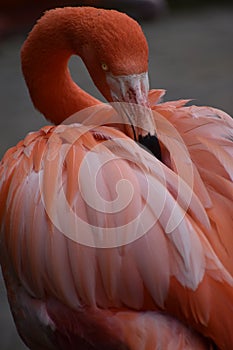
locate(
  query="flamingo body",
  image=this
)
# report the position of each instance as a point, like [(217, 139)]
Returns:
[(82, 274)]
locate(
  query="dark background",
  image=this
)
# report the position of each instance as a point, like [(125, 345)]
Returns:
[(191, 55)]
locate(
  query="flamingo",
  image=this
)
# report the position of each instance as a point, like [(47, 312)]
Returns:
[(116, 221)]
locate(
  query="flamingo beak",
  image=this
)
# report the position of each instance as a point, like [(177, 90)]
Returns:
[(132, 88), (131, 93)]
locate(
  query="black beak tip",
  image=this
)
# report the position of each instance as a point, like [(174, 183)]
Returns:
[(151, 144)]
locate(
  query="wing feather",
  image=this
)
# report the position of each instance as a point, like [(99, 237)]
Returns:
[(176, 241)]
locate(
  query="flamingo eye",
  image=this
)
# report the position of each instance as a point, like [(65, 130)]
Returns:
[(104, 66)]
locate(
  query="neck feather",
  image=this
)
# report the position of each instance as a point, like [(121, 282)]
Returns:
[(45, 55)]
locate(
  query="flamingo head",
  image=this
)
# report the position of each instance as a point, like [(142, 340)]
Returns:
[(116, 56)]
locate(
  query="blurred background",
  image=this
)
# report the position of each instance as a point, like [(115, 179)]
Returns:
[(191, 56)]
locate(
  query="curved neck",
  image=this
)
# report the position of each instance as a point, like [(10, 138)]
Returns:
[(45, 56)]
